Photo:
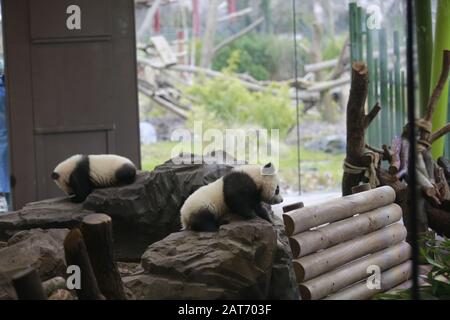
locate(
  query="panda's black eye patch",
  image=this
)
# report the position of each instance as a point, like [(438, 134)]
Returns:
[(55, 175), (277, 191)]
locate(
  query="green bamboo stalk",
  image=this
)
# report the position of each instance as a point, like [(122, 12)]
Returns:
[(377, 122), (353, 8), (397, 85), (360, 32), (403, 98), (371, 94), (424, 33), (441, 43), (391, 104), (384, 95)]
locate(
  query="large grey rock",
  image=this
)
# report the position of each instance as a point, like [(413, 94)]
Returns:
[(46, 214), (149, 209), (243, 260), (142, 213), (37, 248)]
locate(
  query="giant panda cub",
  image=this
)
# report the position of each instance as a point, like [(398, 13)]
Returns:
[(240, 191), (78, 175)]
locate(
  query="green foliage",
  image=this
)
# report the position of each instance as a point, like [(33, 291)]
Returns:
[(437, 283), (261, 56), (224, 102)]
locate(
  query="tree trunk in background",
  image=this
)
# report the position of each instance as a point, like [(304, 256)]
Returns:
[(424, 32), (210, 34), (441, 43)]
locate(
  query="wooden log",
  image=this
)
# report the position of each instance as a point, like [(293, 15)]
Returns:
[(313, 216), (318, 263), (395, 163), (314, 240), (389, 279), (438, 219), (361, 188), (353, 272), (293, 206), (76, 254), (28, 285), (97, 234), (357, 123)]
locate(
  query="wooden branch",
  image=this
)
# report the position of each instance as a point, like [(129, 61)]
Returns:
[(371, 115), (404, 159), (318, 263), (444, 164), (440, 85), (356, 126), (76, 254), (395, 161), (438, 219), (333, 281), (314, 240), (439, 133), (97, 234), (313, 216), (146, 24), (237, 35), (28, 285)]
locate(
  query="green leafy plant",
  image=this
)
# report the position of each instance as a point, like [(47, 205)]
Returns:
[(437, 283), (225, 102)]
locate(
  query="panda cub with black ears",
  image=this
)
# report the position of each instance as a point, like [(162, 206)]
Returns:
[(240, 191)]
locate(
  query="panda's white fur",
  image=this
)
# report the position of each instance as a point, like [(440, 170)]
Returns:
[(79, 174), (211, 198)]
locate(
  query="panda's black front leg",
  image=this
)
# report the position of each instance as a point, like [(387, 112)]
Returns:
[(262, 212)]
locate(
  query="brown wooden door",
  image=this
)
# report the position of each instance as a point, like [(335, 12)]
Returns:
[(71, 86)]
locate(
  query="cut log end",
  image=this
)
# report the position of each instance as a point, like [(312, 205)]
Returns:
[(96, 218), (73, 239), (288, 224), (295, 247), (360, 67), (293, 206), (299, 271), (305, 293)]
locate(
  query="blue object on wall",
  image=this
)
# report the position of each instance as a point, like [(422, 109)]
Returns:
[(4, 161)]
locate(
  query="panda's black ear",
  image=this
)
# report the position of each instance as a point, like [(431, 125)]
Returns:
[(268, 165), (55, 175)]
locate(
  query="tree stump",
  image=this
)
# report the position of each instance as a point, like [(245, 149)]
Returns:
[(28, 285), (76, 254), (97, 234)]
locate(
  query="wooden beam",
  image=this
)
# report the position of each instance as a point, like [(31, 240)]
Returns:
[(333, 281), (389, 279), (313, 216), (318, 263), (332, 234)]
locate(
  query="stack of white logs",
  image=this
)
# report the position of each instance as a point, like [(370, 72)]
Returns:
[(339, 246)]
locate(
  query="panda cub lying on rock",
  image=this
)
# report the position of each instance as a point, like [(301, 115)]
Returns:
[(241, 192), (78, 175)]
